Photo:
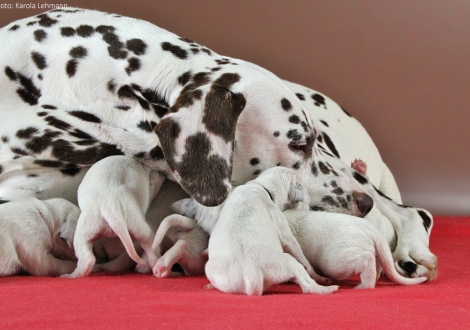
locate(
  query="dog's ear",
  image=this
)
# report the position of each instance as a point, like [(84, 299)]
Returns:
[(298, 193), (197, 136)]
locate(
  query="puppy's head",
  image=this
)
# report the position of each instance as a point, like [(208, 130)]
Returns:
[(197, 135)]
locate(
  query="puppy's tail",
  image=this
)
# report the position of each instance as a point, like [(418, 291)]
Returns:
[(181, 222), (118, 225), (385, 259)]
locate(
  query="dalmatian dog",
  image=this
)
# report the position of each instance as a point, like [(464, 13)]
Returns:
[(341, 246), (88, 85), (251, 246), (188, 241), (30, 231), (113, 198)]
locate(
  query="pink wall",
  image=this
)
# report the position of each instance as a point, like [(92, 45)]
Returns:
[(401, 67)]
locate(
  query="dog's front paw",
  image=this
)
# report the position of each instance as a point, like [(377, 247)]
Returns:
[(161, 271), (417, 264), (143, 269)]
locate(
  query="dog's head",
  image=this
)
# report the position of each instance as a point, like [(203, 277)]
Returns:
[(197, 135), (284, 186)]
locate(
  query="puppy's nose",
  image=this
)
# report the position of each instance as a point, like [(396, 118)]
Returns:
[(364, 203)]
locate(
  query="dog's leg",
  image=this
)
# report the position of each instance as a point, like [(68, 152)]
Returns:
[(121, 263), (369, 272), (295, 272), (163, 266), (45, 264)]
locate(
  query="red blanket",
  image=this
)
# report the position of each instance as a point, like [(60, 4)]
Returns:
[(122, 301)]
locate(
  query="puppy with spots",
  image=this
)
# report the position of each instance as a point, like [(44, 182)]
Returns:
[(188, 242), (340, 246), (251, 246), (113, 198), (34, 233)]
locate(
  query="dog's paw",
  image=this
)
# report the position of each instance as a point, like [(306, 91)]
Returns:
[(360, 166), (161, 271), (416, 264), (143, 269), (320, 289)]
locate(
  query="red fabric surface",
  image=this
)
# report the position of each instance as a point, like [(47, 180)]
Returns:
[(117, 301)]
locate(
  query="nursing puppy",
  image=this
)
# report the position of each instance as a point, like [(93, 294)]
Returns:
[(30, 231), (341, 246), (113, 198), (188, 242), (251, 246)]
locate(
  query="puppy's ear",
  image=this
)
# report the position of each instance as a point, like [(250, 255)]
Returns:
[(298, 193), (197, 137)]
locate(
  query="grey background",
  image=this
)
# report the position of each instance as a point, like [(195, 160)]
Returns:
[(401, 67)]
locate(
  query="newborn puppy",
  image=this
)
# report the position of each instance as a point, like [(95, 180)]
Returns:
[(251, 246), (113, 197), (341, 246), (188, 242), (29, 232)]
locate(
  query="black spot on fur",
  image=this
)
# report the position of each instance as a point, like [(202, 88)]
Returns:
[(316, 208), (70, 170), (156, 153), (31, 23), (184, 78), (189, 41), (38, 144), (334, 184), (49, 163), (46, 21), (338, 191), (40, 35), (137, 46), (134, 65), (71, 67), (330, 144), (85, 116), (5, 139), (359, 178), (318, 100), (208, 52), (323, 168), (286, 105), (39, 60), (276, 133), (57, 123), (257, 172), (116, 47), (324, 123), (175, 50), (300, 96), (294, 135), (81, 134), (111, 86), (408, 266), (294, 119), (426, 219), (41, 114), (314, 169), (29, 93), (48, 106), (32, 176), (347, 113), (67, 31), (11, 74), (343, 202), (254, 161), (85, 31), (143, 125), (105, 29), (19, 151), (128, 93), (78, 52), (64, 151), (330, 201), (296, 165), (26, 133), (14, 27), (122, 107), (195, 50)]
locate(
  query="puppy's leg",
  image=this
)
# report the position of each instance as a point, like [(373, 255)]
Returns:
[(192, 263), (121, 263), (369, 271), (48, 265), (294, 271)]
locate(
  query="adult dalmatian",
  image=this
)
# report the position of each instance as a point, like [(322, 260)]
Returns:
[(80, 85)]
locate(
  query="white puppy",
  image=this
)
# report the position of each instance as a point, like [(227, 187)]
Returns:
[(113, 198), (251, 246), (188, 241), (341, 246), (29, 233)]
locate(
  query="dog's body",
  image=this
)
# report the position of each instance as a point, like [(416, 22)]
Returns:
[(113, 198), (188, 241), (87, 85), (341, 246), (29, 230), (251, 246)]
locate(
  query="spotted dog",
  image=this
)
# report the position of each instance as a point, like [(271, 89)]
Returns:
[(80, 85), (30, 236)]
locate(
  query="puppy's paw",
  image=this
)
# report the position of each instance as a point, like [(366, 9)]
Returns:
[(143, 269), (161, 271)]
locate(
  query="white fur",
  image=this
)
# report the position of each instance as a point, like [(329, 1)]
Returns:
[(188, 241), (113, 197), (30, 234), (341, 246)]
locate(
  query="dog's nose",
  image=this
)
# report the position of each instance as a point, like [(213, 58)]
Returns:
[(364, 203)]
